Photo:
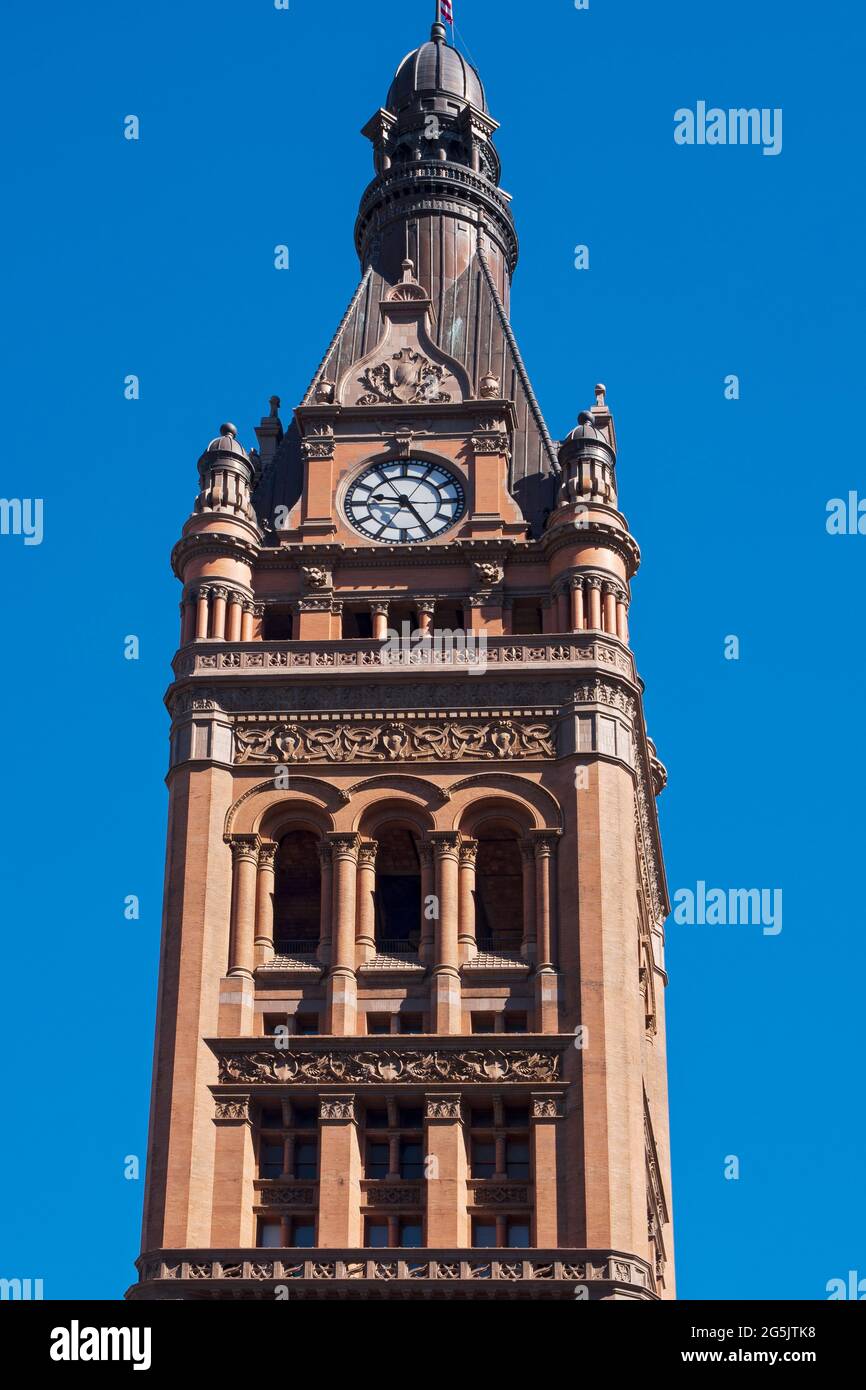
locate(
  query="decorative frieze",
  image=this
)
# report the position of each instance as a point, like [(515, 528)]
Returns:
[(444, 741), (497, 1194), (283, 1196), (389, 1067), (544, 1273), (392, 1194)]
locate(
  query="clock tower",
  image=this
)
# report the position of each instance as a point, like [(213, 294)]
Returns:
[(410, 1037)]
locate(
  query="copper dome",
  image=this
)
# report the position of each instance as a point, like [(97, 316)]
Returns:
[(434, 68)]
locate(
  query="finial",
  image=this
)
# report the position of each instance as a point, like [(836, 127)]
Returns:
[(229, 429), (274, 403), (408, 270), (584, 418), (600, 392), (438, 31)]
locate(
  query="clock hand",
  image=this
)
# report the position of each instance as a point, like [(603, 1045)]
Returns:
[(418, 518)]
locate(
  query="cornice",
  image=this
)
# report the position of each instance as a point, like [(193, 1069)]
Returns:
[(212, 543)]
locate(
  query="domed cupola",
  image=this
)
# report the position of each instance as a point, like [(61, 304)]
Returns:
[(227, 476), (587, 458), (437, 71)]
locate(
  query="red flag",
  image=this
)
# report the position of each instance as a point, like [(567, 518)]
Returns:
[(448, 11)]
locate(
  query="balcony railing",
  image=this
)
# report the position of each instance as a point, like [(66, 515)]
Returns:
[(366, 1273)]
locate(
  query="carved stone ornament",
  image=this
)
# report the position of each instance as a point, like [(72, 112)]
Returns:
[(547, 1107), (325, 392), (494, 1065), (491, 443), (443, 1107), (337, 1108), (235, 1109), (498, 1194), (448, 741), (491, 387), (286, 1197), (409, 378), (488, 574), (319, 447), (316, 577)]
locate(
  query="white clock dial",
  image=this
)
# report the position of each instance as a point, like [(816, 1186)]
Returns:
[(405, 501)]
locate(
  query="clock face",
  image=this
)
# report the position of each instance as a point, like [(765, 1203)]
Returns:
[(405, 501)]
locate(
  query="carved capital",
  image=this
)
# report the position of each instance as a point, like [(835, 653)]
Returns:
[(547, 1106), (344, 844), (367, 853), (337, 1107), (446, 843), (544, 842), (245, 847), (468, 852), (267, 854), (443, 1107), (236, 1110), (319, 447)]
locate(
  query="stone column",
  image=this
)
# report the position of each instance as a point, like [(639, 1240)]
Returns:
[(340, 1171), (447, 1172), (187, 620), (202, 614), (366, 924), (594, 586), (528, 948), (218, 613), (544, 843), (447, 1004), (578, 610), (547, 1109), (427, 947), (609, 591), (326, 872), (247, 620), (342, 981), (265, 903), (426, 613), (380, 621), (622, 615), (467, 939), (233, 625), (245, 853), (546, 982)]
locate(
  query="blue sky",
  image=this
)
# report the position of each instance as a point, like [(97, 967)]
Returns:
[(156, 258)]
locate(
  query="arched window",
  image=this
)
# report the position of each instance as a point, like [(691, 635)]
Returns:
[(398, 891), (297, 893), (498, 888)]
